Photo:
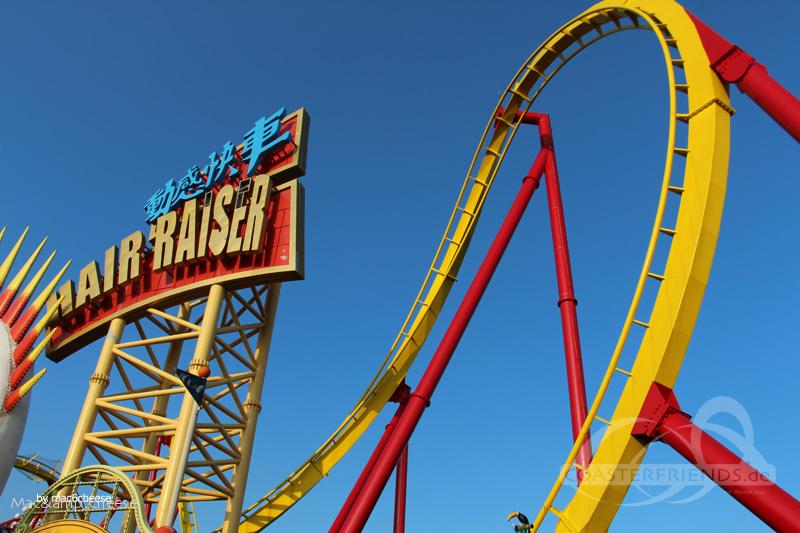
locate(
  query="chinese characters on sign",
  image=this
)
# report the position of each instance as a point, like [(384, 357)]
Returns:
[(264, 138)]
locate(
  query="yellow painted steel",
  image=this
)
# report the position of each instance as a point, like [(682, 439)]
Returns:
[(44, 517), (19, 278), (5, 267), (670, 322), (36, 468), (187, 515), (701, 191), (70, 526)]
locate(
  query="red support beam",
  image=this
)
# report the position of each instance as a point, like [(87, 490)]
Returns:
[(567, 303), (400, 396), (734, 65), (662, 419), (420, 398), (401, 481), (160, 441)]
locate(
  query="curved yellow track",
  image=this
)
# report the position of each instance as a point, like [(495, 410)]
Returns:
[(704, 117), (98, 477), (34, 467)]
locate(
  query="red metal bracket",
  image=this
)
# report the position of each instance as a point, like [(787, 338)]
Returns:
[(567, 302), (734, 65), (659, 403), (401, 394), (661, 419)]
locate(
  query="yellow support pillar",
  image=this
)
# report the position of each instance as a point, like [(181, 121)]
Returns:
[(160, 403), (97, 385), (252, 406), (181, 442)]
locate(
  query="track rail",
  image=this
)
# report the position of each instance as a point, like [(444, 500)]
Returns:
[(93, 479), (35, 467), (704, 120)]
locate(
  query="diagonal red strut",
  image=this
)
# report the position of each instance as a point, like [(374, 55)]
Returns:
[(392, 447), (420, 398)]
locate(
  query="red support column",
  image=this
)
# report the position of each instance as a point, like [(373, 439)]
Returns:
[(661, 419), (420, 398), (401, 480), (567, 303), (400, 396), (734, 65), (160, 441)]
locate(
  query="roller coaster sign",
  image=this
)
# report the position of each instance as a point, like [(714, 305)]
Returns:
[(236, 222)]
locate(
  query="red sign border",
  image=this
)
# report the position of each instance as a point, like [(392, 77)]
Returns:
[(292, 271)]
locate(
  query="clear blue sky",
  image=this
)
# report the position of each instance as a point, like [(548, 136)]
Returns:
[(102, 102)]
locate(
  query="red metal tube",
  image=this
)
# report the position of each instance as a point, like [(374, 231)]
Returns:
[(773, 98), (734, 65), (420, 398), (776, 507), (401, 481), (662, 419), (362, 478), (567, 303), (149, 506)]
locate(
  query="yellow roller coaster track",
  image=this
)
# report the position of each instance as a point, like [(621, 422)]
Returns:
[(36, 468), (701, 123)]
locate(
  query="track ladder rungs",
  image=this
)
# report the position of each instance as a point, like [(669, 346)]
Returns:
[(537, 71), (523, 96), (451, 241), (424, 307), (683, 117), (682, 87), (464, 210), (491, 151), (476, 180), (572, 36), (667, 231), (615, 20), (410, 338), (504, 121), (676, 189), (561, 57), (655, 276), (681, 151), (671, 42), (624, 372), (597, 27), (640, 323), (678, 63), (447, 275), (603, 420)]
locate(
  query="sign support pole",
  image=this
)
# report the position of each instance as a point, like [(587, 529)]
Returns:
[(151, 442), (97, 384), (252, 406), (181, 442)]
